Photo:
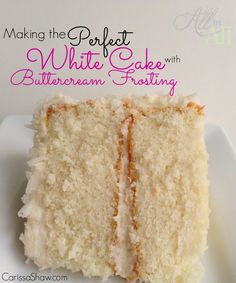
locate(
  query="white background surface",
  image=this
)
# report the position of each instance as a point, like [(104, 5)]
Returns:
[(205, 69)]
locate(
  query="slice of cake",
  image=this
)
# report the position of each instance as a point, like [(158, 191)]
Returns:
[(118, 186)]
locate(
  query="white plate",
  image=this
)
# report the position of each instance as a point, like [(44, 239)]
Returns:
[(220, 259)]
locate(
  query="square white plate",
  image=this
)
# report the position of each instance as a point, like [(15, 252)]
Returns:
[(220, 259)]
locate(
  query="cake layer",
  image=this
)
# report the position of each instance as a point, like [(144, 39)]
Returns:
[(171, 196), (69, 200)]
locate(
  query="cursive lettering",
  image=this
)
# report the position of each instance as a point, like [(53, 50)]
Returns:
[(79, 34)]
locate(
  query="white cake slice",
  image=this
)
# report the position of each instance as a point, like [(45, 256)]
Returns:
[(118, 186)]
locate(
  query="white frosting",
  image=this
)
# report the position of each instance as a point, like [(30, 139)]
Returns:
[(122, 253), (34, 211)]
